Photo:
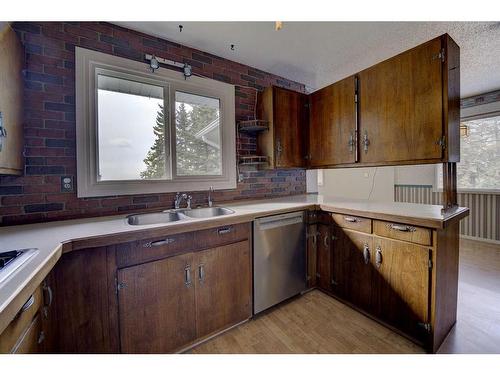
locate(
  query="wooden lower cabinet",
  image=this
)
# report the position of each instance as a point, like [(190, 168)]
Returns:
[(223, 287), (312, 254), (157, 305), (324, 256), (402, 279), (359, 273), (387, 278)]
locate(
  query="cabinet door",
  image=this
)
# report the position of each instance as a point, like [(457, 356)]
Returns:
[(403, 278), (401, 107), (340, 263), (324, 274), (290, 125), (360, 288), (157, 305), (223, 287), (332, 125), (312, 248)]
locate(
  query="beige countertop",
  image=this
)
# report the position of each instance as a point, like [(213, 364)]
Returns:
[(53, 238)]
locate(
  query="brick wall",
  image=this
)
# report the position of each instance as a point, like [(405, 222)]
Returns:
[(49, 127)]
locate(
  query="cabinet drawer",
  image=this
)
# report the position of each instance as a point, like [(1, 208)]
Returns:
[(361, 224), (156, 248), (222, 235), (16, 329), (31, 338), (410, 233)]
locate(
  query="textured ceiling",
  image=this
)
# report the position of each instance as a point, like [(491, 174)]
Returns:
[(320, 53)]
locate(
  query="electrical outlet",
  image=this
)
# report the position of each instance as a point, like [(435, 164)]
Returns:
[(66, 184)]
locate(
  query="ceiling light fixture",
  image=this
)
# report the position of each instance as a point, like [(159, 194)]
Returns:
[(154, 63), (278, 25)]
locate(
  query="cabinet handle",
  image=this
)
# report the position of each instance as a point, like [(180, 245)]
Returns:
[(351, 142), (27, 304), (279, 149), (402, 228), (224, 230), (187, 276), (41, 337), (378, 257), (166, 241), (366, 253), (351, 219), (201, 272), (48, 289), (315, 238), (366, 142), (326, 242)]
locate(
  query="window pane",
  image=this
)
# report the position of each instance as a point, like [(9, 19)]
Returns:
[(479, 166), (198, 139), (131, 130)]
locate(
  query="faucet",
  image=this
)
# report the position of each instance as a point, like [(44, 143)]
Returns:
[(210, 190), (178, 199)]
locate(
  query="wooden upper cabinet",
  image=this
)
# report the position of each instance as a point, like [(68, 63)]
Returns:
[(11, 103), (332, 125), (223, 287), (286, 141), (157, 305), (401, 107)]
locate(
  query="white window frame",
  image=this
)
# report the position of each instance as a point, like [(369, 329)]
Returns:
[(88, 63), (471, 113)]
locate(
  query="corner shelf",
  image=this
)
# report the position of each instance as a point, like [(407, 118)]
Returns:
[(253, 126)]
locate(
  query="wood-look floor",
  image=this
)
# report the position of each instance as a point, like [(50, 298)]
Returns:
[(317, 323)]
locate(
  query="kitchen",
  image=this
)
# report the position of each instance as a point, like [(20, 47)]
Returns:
[(161, 198)]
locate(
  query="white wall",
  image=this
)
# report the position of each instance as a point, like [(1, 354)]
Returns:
[(375, 184), (415, 175)]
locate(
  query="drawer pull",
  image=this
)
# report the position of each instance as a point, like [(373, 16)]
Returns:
[(326, 241), (187, 275), (226, 230), (350, 219), (378, 257), (27, 304), (50, 297), (402, 228), (366, 253), (166, 241)]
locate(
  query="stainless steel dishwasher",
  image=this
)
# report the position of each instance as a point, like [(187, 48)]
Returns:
[(279, 259)]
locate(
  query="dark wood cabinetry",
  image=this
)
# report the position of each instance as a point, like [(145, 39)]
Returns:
[(332, 129), (402, 280), (157, 305), (401, 107), (11, 103), (285, 143), (324, 266), (223, 287), (156, 295)]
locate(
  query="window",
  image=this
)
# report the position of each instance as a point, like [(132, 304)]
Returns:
[(141, 132), (479, 166)]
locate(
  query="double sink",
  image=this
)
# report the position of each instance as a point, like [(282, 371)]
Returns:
[(169, 216)]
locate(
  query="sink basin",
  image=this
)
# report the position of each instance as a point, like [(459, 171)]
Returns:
[(153, 218), (205, 212)]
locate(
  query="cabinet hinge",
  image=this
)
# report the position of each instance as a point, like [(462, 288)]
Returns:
[(441, 142), (430, 263), (334, 282), (426, 326), (334, 237), (306, 105), (441, 55)]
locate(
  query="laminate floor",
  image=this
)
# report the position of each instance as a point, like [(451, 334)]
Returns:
[(317, 323)]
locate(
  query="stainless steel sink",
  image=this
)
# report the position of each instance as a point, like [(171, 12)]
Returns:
[(154, 218), (198, 213)]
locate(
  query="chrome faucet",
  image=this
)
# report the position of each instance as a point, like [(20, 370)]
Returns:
[(210, 190), (178, 199)]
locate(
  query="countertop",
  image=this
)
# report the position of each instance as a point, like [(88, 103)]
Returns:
[(54, 238)]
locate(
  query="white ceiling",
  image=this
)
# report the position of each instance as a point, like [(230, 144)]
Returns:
[(320, 53)]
